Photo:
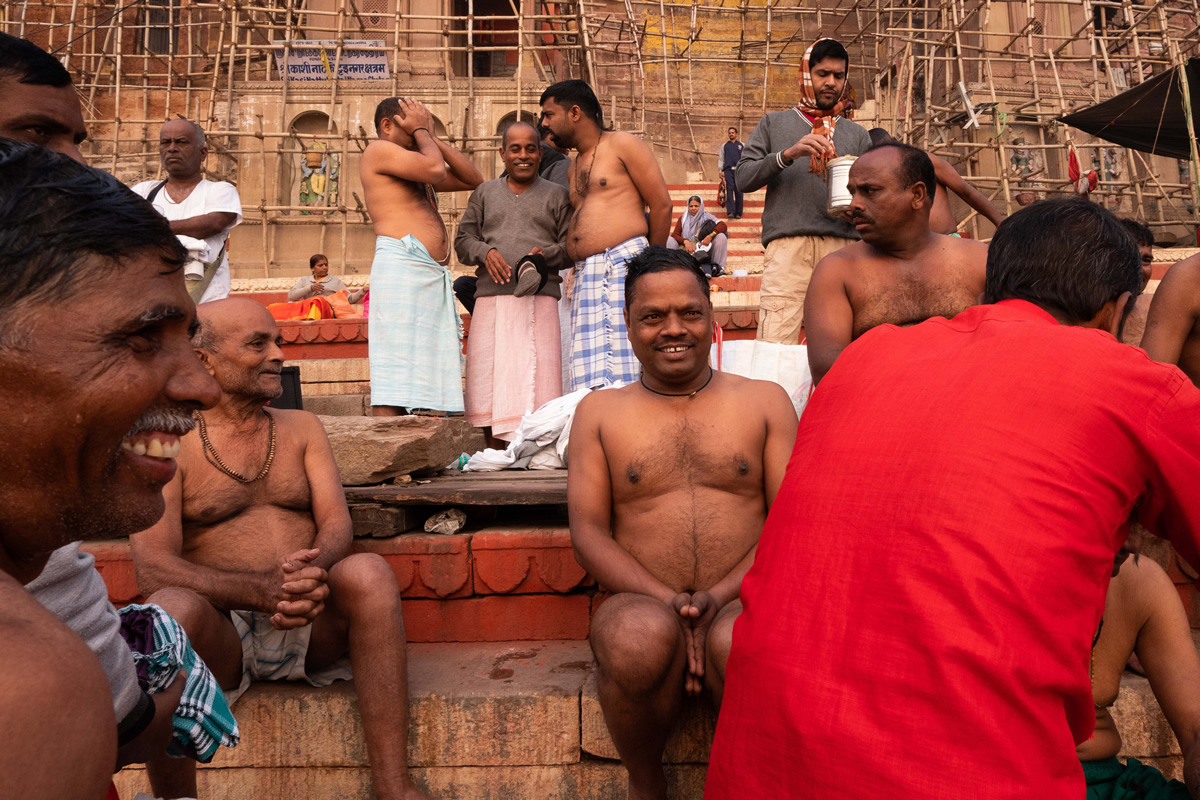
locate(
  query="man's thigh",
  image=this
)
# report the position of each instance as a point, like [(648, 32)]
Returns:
[(209, 629)]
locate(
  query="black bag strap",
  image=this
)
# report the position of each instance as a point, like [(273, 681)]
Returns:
[(154, 192)]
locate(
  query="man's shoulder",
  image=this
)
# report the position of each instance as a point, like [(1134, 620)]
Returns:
[(844, 257), (296, 419), (143, 187)]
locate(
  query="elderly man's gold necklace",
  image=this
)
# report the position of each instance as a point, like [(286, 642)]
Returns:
[(210, 452), (693, 393)]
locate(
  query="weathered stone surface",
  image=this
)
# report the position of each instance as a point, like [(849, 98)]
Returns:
[(336, 405), (377, 521), (374, 449), (498, 618), (587, 780), (425, 565), (690, 742), (333, 370), (1144, 731), (518, 560)]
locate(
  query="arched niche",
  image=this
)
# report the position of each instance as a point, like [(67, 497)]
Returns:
[(311, 169)]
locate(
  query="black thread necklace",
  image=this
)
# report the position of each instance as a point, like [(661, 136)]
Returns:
[(693, 393)]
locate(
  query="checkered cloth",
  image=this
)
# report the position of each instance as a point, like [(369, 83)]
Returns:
[(601, 354), (824, 121), (203, 720)]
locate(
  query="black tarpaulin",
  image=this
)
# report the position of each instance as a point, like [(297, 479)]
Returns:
[(1150, 117)]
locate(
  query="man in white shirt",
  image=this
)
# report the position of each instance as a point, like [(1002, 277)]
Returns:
[(196, 207)]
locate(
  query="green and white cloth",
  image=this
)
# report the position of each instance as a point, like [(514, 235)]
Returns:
[(203, 721)]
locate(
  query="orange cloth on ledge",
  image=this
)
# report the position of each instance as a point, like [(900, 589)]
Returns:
[(307, 309)]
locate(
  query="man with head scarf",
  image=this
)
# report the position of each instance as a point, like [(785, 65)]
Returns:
[(702, 235), (787, 153)]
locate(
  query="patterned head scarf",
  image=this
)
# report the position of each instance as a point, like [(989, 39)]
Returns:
[(692, 222), (824, 120)]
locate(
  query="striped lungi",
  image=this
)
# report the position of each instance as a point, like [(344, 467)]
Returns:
[(512, 360), (414, 342), (601, 354)]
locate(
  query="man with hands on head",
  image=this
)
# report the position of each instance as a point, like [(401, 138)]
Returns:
[(666, 514), (414, 348), (252, 556)]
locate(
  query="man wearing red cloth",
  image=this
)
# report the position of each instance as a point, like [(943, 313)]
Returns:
[(919, 616)]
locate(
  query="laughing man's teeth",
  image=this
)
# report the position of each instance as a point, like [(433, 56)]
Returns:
[(156, 448)]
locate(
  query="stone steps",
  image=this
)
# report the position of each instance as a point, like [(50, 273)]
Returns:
[(499, 721), (503, 720)]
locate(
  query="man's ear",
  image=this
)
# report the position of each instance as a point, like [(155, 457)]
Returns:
[(206, 360), (1111, 316), (920, 195)]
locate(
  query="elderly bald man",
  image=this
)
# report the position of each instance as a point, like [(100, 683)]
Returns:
[(253, 553)]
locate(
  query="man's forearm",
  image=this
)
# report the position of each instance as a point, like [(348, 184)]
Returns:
[(726, 590), (459, 165), (200, 227), (247, 591), (334, 546), (615, 569), (660, 224)]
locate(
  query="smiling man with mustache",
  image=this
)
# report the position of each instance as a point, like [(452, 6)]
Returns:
[(100, 382), (252, 556), (901, 273)]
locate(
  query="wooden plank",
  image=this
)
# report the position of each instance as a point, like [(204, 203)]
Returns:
[(504, 488)]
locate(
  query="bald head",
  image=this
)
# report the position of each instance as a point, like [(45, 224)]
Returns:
[(182, 149), (238, 342)]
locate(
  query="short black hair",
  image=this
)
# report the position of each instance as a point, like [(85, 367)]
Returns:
[(30, 63), (537, 135), (880, 136), (575, 93), (731, 128), (54, 214), (1065, 254), (828, 48), (314, 258), (1141, 233), (915, 166), (661, 259), (385, 110)]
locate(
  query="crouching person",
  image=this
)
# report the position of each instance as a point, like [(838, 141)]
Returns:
[(252, 556)]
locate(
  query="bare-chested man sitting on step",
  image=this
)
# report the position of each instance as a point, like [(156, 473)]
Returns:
[(670, 482), (1173, 325), (901, 273), (252, 556), (414, 348), (614, 179)]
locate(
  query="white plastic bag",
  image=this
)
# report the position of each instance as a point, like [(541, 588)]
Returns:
[(785, 364)]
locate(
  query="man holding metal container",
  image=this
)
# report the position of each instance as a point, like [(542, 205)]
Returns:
[(788, 152)]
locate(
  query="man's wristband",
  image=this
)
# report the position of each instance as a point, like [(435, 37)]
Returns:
[(414, 133), (783, 162)]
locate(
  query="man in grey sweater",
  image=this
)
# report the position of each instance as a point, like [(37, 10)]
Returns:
[(514, 348), (787, 153)]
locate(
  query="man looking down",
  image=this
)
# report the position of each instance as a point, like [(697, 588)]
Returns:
[(920, 613), (252, 556), (900, 273), (665, 514)]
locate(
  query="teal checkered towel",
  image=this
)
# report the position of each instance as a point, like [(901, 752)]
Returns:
[(203, 721)]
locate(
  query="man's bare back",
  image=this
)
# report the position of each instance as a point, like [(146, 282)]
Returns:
[(687, 482), (609, 208), (858, 288), (1173, 323)]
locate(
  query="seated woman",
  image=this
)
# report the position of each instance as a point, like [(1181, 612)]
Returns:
[(321, 284), (697, 229)]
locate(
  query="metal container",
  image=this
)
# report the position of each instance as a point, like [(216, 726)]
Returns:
[(838, 182)]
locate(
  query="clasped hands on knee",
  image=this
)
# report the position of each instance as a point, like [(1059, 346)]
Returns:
[(696, 611), (296, 590)]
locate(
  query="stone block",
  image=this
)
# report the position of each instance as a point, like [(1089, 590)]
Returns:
[(372, 520), (689, 743), (587, 780), (333, 370), (114, 562), (1144, 731), (498, 618), (336, 405), (375, 449), (425, 565), (525, 561)]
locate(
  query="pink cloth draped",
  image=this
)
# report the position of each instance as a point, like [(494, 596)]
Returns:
[(513, 372)]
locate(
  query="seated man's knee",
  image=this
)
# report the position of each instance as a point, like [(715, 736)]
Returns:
[(190, 609), (636, 641), (363, 577)]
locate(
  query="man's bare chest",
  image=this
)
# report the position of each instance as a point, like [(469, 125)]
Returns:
[(909, 301), (687, 457), (211, 497)]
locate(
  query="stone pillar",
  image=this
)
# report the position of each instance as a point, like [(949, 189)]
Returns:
[(427, 60)]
